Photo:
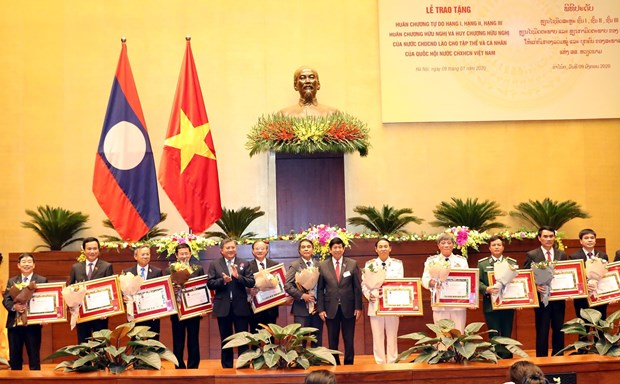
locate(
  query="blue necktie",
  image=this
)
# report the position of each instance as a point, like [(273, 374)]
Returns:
[(142, 275)]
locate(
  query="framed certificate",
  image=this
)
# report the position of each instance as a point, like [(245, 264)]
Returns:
[(608, 287), (569, 280), (519, 293), (459, 290), (103, 299), (195, 298), (47, 304), (155, 299), (402, 297), (271, 297)]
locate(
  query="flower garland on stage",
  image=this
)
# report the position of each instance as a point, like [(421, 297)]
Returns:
[(338, 132)]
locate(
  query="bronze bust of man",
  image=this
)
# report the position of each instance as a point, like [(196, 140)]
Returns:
[(306, 82)]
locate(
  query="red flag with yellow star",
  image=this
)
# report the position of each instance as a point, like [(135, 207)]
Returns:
[(188, 169)]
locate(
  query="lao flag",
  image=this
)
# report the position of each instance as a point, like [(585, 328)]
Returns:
[(188, 168), (125, 183)]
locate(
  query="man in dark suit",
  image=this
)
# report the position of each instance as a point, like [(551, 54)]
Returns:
[(20, 335), (229, 277), (553, 314), (268, 316), (340, 298), (92, 268), (499, 320), (187, 329), (142, 255), (302, 299), (587, 238)]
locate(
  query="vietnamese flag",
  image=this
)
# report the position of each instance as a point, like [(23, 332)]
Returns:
[(124, 182), (188, 169)]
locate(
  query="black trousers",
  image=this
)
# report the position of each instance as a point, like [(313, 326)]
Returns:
[(334, 327), (550, 316), (583, 304), (181, 329), (30, 336), (313, 321), (226, 324), (85, 330), (265, 317)]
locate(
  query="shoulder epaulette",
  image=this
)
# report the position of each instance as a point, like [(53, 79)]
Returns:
[(483, 259), (510, 258), (396, 261)]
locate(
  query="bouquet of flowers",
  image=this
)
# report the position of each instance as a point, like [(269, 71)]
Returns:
[(543, 274), (180, 273), (130, 285), (504, 273), (373, 278), (167, 244), (74, 296), (321, 234), (438, 270), (21, 293), (596, 268), (265, 281), (306, 280)]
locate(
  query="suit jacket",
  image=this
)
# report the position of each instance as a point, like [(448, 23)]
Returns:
[(79, 273), (299, 307), (347, 292), (8, 300), (393, 270), (580, 254), (253, 267), (151, 273), (537, 255), (230, 296), (486, 265)]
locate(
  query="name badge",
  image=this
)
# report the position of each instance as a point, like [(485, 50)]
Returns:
[(346, 274)]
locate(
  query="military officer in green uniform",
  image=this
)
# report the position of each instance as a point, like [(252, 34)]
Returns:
[(499, 320)]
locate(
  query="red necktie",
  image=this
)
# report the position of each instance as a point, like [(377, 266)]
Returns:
[(549, 256), (338, 270)]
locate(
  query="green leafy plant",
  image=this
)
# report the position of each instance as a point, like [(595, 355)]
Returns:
[(154, 232), (127, 346), (548, 212), (599, 336), (387, 222), (450, 345), (234, 223), (470, 213), (280, 347), (55, 226)]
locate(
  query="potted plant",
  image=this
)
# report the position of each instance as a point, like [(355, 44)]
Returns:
[(548, 212), (597, 335), (127, 346), (56, 226), (471, 213), (234, 223), (280, 347), (450, 345), (154, 232), (387, 222)]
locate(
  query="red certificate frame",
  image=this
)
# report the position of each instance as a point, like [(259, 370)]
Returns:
[(401, 297), (103, 299), (612, 294), (526, 286), (195, 298), (53, 309), (267, 299), (155, 299), (459, 290), (569, 280)]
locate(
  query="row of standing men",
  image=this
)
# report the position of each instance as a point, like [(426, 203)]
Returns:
[(336, 299)]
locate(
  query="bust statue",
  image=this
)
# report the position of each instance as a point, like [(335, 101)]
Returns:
[(306, 82)]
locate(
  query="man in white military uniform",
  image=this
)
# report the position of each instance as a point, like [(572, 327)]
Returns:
[(384, 328), (445, 243)]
